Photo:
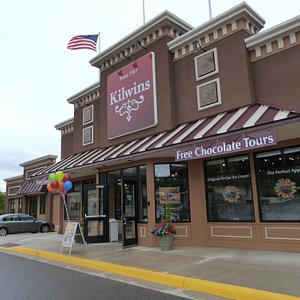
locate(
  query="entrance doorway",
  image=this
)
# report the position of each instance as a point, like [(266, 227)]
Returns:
[(95, 215), (127, 198)]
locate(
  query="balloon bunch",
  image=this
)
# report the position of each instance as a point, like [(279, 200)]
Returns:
[(59, 182)]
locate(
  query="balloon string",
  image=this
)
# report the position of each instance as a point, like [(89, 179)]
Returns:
[(66, 208)]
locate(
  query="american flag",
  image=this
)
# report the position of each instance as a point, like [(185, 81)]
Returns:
[(83, 42)]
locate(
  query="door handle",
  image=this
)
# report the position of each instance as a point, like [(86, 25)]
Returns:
[(124, 221)]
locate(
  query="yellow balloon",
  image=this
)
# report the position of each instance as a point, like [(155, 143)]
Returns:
[(59, 175)]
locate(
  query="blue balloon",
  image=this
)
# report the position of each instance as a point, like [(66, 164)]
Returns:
[(68, 185)]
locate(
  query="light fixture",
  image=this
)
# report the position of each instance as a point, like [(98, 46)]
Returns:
[(197, 46), (108, 62), (139, 43), (123, 53)]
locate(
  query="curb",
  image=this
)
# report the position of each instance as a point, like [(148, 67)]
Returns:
[(189, 283)]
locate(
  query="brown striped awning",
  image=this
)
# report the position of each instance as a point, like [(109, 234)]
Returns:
[(34, 186), (246, 118)]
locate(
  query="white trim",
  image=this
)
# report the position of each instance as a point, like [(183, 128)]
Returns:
[(257, 52), (143, 231), (28, 177), (13, 187), (214, 121), (232, 120), (187, 132), (92, 135), (282, 114), (137, 145), (272, 34), (292, 37), (182, 235), (241, 10), (269, 47), (90, 107), (123, 149), (152, 141), (233, 26), (217, 81), (169, 136), (280, 238), (215, 62), (232, 236), (256, 116), (111, 151), (280, 43)]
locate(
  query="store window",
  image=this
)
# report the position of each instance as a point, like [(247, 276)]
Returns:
[(228, 189), (12, 206), (87, 135), (73, 200), (206, 64), (87, 114), (171, 183), (278, 184), (20, 205), (142, 195), (42, 204)]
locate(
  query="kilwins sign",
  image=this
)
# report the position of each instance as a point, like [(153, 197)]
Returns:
[(233, 144), (131, 97)]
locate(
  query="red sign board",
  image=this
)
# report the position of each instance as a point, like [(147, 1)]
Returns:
[(131, 97), (233, 144)]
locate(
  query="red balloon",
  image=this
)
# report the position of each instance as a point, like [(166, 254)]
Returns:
[(54, 184), (50, 188), (67, 177)]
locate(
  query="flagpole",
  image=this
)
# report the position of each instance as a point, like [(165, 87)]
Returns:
[(99, 42), (209, 7), (143, 11)]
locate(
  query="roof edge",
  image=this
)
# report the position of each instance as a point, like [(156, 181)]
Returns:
[(242, 8), (273, 32), (141, 32)]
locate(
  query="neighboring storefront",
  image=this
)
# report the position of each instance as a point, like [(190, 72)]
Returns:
[(205, 117), (25, 194)]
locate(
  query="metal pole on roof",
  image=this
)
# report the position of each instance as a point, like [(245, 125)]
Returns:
[(143, 11), (209, 7)]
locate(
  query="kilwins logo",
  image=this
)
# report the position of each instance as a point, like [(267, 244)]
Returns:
[(127, 101)]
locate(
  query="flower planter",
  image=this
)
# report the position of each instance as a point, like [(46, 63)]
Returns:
[(166, 242)]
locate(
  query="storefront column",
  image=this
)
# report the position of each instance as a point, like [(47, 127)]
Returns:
[(49, 207), (151, 241)]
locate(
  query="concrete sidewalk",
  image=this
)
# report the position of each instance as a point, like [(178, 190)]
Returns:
[(222, 272)]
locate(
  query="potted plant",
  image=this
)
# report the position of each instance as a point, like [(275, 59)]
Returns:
[(165, 231)]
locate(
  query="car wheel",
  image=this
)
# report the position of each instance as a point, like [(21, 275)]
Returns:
[(3, 231), (45, 228)]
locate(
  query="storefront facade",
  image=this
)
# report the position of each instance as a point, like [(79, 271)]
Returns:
[(27, 194), (206, 117)]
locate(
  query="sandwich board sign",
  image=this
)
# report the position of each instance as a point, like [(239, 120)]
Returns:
[(73, 232)]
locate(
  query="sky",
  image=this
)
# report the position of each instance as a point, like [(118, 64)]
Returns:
[(38, 73)]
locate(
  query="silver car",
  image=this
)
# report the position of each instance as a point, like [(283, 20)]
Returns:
[(14, 223)]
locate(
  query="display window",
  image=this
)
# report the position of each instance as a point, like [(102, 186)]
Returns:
[(278, 184), (73, 202), (171, 184), (228, 189)]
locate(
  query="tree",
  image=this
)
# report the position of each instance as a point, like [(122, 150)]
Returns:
[(2, 202)]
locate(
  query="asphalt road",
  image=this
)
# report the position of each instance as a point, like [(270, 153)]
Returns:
[(22, 278)]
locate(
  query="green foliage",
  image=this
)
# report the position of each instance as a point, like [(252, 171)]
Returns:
[(168, 212), (2, 202)]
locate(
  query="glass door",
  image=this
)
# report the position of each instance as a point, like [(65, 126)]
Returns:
[(129, 213), (95, 217)]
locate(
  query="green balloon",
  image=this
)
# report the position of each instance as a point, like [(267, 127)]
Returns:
[(52, 177)]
